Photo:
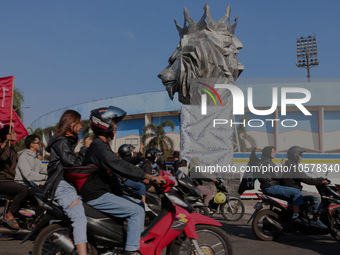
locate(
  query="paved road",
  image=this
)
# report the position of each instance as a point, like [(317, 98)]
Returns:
[(242, 239)]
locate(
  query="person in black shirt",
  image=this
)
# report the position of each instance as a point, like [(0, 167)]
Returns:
[(125, 152), (97, 190)]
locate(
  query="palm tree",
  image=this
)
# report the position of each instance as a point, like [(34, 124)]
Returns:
[(243, 137), (18, 99), (156, 137), (30, 129), (39, 132)]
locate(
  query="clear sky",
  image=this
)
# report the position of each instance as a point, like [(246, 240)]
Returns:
[(68, 52)]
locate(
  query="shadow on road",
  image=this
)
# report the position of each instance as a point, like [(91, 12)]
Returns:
[(244, 241)]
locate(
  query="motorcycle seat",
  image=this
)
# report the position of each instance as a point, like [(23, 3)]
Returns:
[(96, 214), (289, 201)]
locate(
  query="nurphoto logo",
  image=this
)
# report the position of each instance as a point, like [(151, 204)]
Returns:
[(239, 99)]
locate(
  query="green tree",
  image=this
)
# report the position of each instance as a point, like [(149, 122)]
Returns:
[(154, 136), (30, 130), (39, 132), (18, 100)]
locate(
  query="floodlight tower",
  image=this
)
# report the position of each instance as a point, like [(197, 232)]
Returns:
[(307, 53)]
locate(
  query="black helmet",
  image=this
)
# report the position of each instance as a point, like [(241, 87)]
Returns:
[(154, 155), (294, 152), (101, 119), (175, 154), (125, 150)]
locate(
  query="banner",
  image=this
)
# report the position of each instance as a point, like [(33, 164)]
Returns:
[(6, 112)]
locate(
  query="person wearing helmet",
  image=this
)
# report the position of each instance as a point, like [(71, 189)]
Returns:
[(270, 183), (198, 179), (176, 164), (154, 161), (97, 190), (126, 153), (152, 164), (294, 155)]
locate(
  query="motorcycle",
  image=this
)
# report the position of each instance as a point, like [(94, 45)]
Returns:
[(26, 217), (193, 195), (231, 208), (152, 201), (270, 224), (177, 229)]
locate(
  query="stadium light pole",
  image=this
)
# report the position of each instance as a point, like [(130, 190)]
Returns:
[(307, 53)]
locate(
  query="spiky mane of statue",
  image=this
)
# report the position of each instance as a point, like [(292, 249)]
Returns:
[(207, 49), (206, 22)]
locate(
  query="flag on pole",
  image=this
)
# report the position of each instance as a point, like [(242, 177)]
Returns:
[(7, 114)]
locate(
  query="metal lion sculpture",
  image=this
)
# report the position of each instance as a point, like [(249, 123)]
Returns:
[(207, 49)]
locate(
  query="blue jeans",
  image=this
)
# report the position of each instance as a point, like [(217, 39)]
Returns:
[(137, 186), (65, 195), (123, 208), (287, 192), (314, 199)]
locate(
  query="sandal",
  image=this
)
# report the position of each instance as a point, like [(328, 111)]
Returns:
[(10, 223)]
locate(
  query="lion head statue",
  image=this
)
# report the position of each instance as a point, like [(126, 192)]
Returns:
[(207, 49)]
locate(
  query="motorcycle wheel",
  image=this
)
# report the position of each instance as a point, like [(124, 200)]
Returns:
[(202, 210), (45, 244), (261, 229), (234, 210), (211, 240), (335, 227)]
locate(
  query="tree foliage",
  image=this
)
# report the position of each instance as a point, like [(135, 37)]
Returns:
[(154, 136), (18, 100)]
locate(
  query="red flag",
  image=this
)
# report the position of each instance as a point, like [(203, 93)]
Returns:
[(6, 118)]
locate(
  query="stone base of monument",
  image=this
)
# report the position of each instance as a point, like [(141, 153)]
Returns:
[(211, 144)]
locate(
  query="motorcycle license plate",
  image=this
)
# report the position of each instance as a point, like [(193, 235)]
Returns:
[(258, 206)]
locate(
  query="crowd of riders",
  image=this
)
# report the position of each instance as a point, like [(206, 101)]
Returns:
[(23, 173), (289, 187)]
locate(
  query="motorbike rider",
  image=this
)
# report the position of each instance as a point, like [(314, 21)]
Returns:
[(270, 183), (294, 155), (61, 148), (176, 163), (152, 164), (154, 161), (183, 167), (125, 152), (8, 162), (97, 189), (198, 179), (30, 170)]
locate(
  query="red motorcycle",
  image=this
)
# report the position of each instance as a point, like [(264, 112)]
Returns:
[(176, 230)]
